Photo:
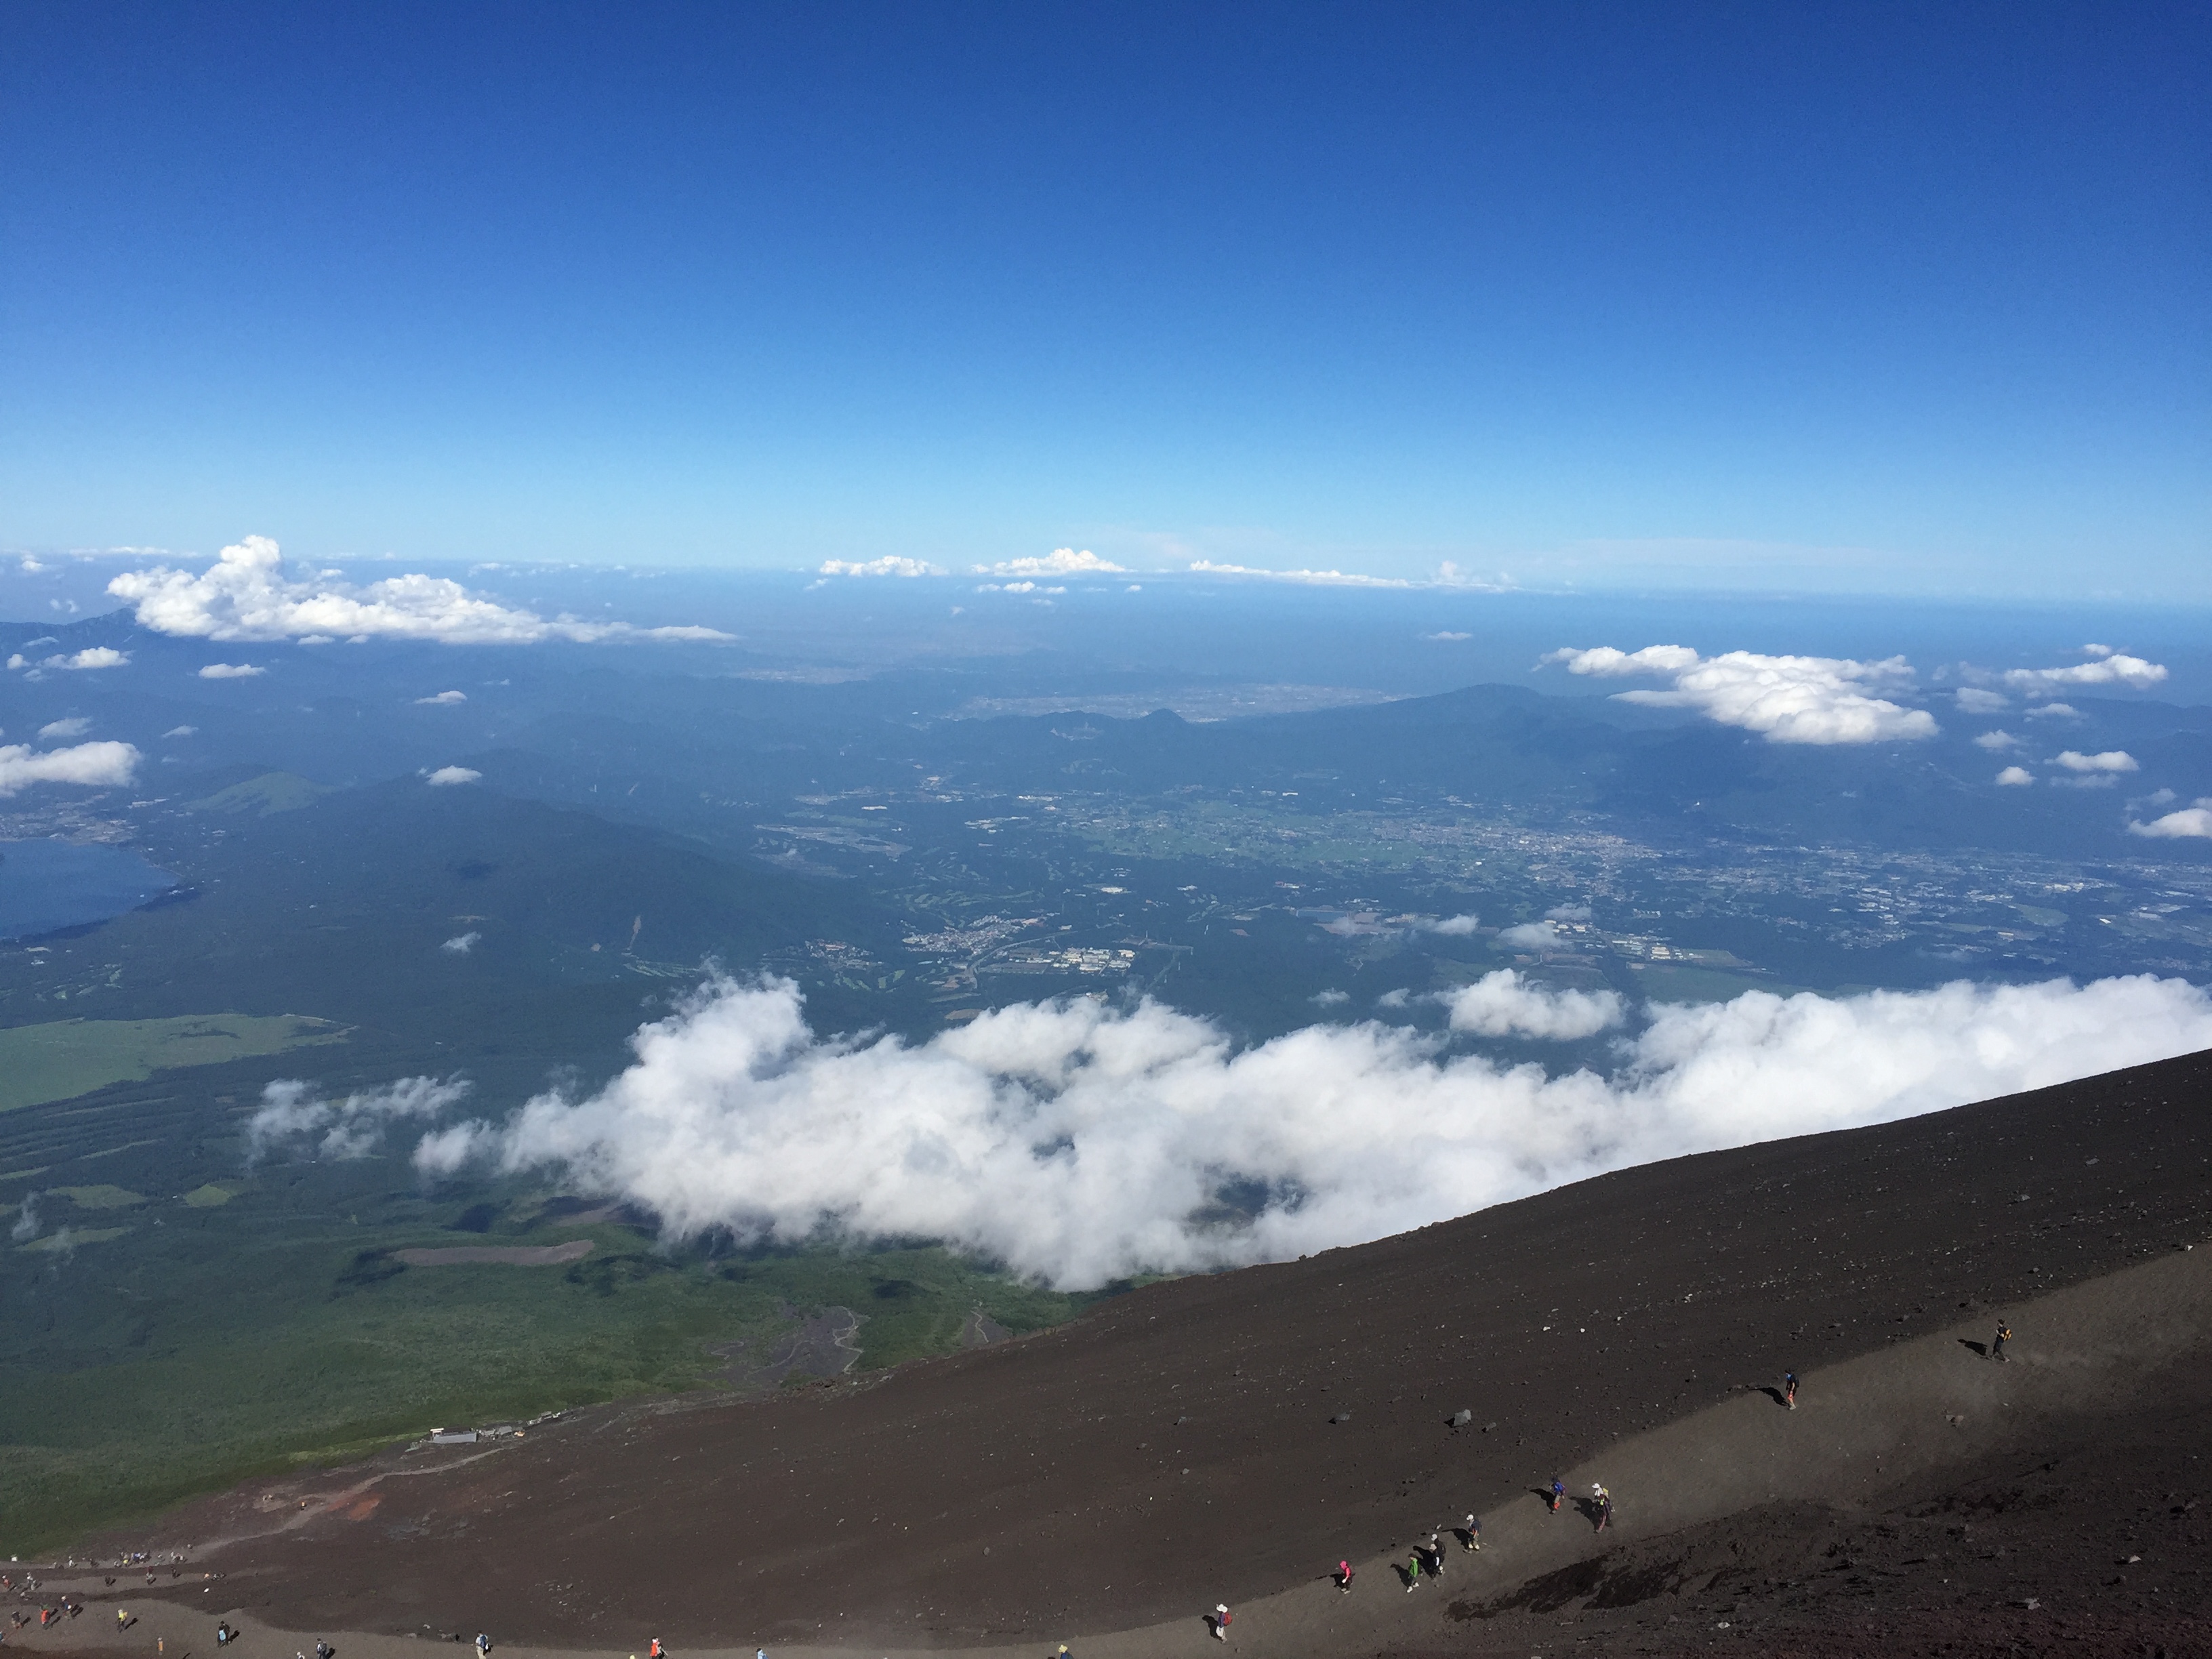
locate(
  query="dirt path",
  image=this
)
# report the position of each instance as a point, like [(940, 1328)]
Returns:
[(1863, 1428)]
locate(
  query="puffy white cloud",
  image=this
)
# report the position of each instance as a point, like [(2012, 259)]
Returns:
[(2194, 823), (2055, 711), (2105, 666), (1973, 700), (1060, 561), (1311, 578), (92, 657), (1568, 912), (293, 1110), (92, 763), (1996, 741), (2015, 776), (461, 943), (1814, 699), (181, 732), (75, 726), (1447, 636), (230, 670), (2112, 760), (1079, 1144), (248, 594), (444, 697), (1502, 1003), (1530, 936), (1456, 926), (889, 565), (446, 776), (1610, 661)]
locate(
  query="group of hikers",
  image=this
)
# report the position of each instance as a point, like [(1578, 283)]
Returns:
[(1426, 1560)]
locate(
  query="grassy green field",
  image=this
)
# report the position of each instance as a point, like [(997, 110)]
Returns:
[(176, 1321), (61, 1059)]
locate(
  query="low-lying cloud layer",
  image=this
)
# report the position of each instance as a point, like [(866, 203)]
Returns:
[(889, 565), (99, 764), (294, 1118), (1310, 578), (1060, 561), (1814, 699), (2191, 823), (92, 657), (1502, 1003), (248, 594), (2105, 666), (1079, 1144)]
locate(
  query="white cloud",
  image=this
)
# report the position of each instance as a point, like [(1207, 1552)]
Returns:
[(1061, 561), (75, 726), (445, 697), (1079, 1144), (2055, 711), (92, 657), (1814, 700), (2112, 760), (181, 732), (889, 565), (2013, 777), (1502, 1003), (1973, 700), (1996, 741), (230, 670), (2105, 667), (446, 776), (247, 594), (1610, 661), (93, 763), (30, 566), (1013, 587), (1312, 578), (1447, 636), (1568, 912), (1456, 926), (461, 943), (1530, 936), (2192, 822), (292, 1110), (1332, 999)]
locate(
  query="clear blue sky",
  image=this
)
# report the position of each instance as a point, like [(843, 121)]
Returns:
[(1857, 297)]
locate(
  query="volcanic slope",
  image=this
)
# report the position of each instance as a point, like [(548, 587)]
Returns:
[(1221, 1438)]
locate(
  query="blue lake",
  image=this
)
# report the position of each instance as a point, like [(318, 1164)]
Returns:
[(50, 885)]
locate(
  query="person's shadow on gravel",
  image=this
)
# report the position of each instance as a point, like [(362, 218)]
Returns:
[(1543, 1495), (1980, 1348), (1775, 1395)]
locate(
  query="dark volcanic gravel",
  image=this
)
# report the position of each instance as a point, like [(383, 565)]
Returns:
[(1176, 1445)]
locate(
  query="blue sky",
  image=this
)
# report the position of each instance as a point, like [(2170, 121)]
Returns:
[(1873, 299)]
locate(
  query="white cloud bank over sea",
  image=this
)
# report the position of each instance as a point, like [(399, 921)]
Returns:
[(1079, 1143), (249, 594)]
